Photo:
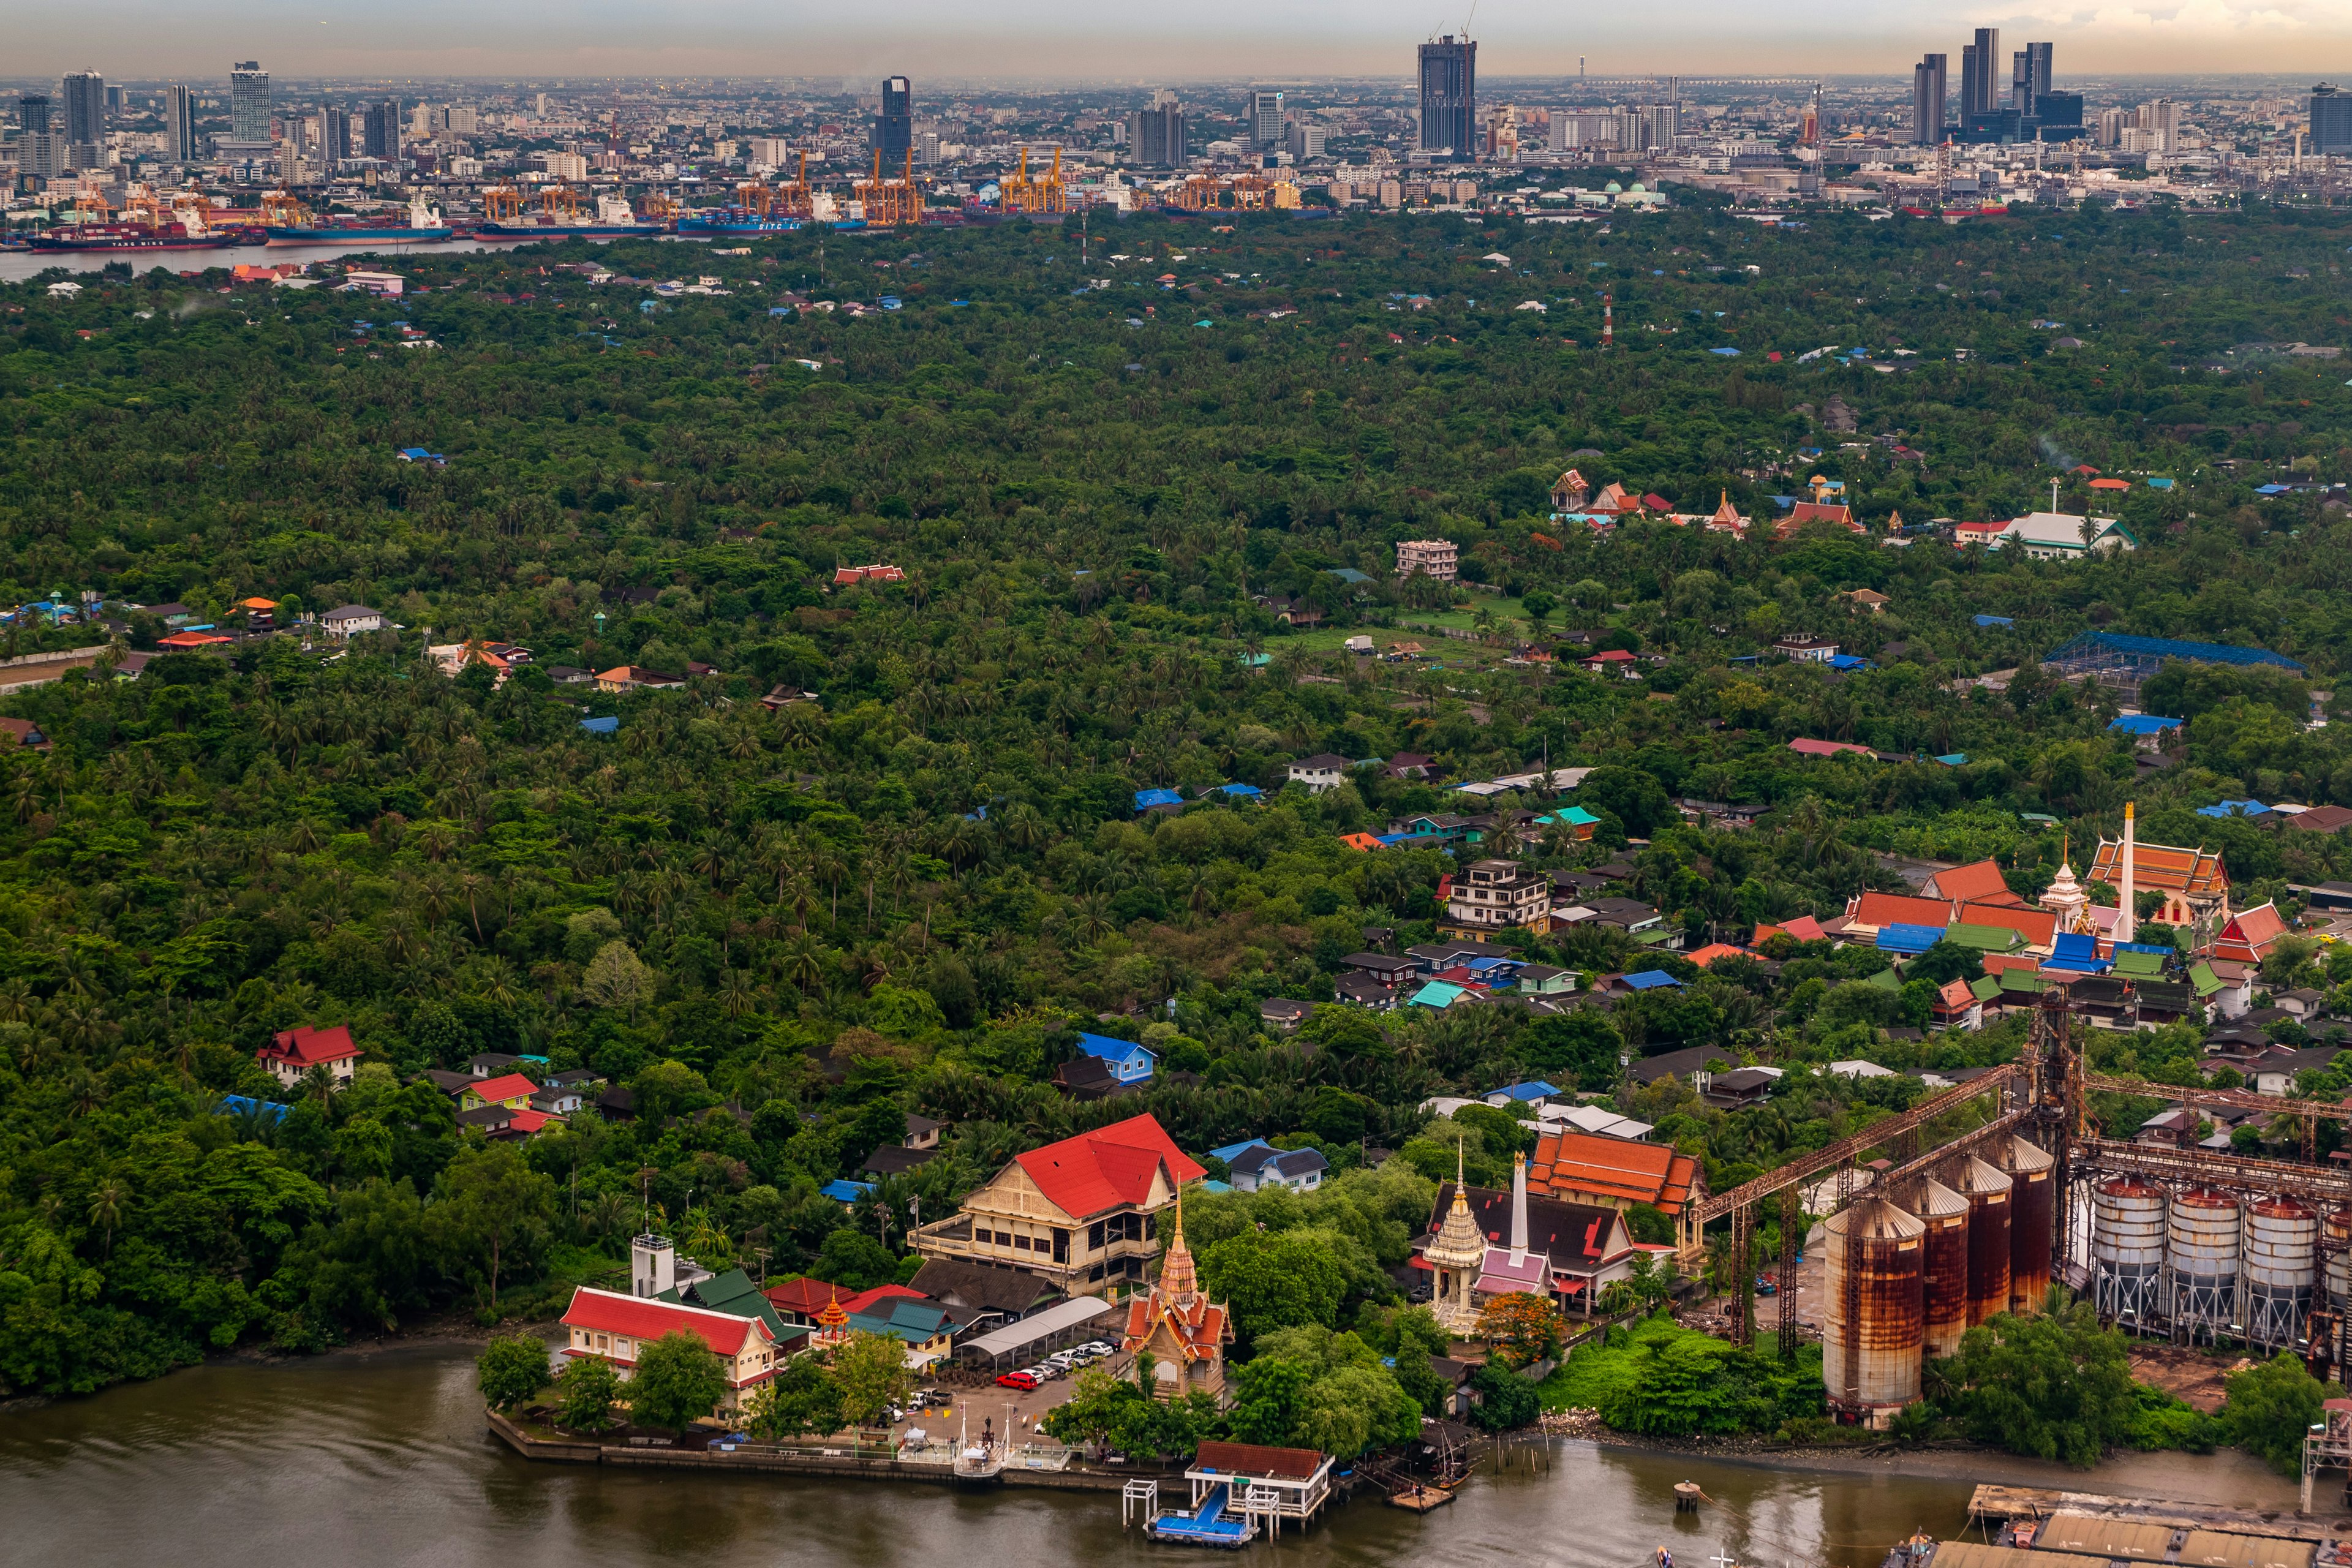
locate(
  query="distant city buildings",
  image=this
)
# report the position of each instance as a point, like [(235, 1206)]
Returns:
[(1449, 97), (1266, 121), (2331, 121), (179, 125), (1927, 90), (894, 126), (1155, 135), (249, 105)]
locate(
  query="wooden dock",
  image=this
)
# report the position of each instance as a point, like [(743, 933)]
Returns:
[(1420, 1498), (1996, 1505)]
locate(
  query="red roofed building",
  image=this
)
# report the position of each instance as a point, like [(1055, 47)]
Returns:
[(1612, 660), (180, 642), (1956, 1007), (1979, 882), (1806, 746), (1715, 949), (1804, 928), (1077, 1213), (613, 1326), (2248, 936), (1184, 1330), (290, 1055), (1806, 511), (1610, 1172), (512, 1090), (1878, 909), (801, 1301)]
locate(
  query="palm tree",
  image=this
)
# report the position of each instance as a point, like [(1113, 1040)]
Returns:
[(107, 1201), (805, 962)]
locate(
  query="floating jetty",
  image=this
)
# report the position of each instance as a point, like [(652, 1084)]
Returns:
[(1420, 1498), (1240, 1490), (2037, 1526)]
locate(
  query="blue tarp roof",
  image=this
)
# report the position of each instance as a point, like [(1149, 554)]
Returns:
[(2144, 947), (2160, 484), (245, 1105), (1848, 661), (1232, 1151), (1908, 938), (844, 1191), (2234, 808), (1241, 791), (1534, 1090), (2144, 723), (1649, 980), (1996, 620), (1145, 799), (2171, 647), (603, 726)]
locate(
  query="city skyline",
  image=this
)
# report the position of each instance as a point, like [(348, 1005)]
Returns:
[(1054, 40)]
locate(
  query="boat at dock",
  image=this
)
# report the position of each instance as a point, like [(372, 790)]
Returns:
[(1420, 1498), (614, 219), (425, 225)]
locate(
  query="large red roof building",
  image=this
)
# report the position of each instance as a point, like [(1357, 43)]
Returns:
[(1077, 1213), (616, 1327)]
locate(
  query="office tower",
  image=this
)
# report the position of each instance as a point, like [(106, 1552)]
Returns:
[(542, 106), (84, 101), (1659, 124), (33, 113), (1449, 97), (1155, 136), (1266, 121), (334, 135), (380, 128), (2029, 75), (2111, 126), (893, 127), (114, 101), (1307, 141), (1927, 100), (927, 147), (2058, 116), (2331, 119), (423, 122), (1978, 93), (179, 125), (248, 102)]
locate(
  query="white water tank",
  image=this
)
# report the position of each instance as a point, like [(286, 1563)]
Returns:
[(653, 1266), (2126, 1247)]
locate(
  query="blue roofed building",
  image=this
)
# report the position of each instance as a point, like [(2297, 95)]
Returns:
[(2148, 729), (1526, 1093), (1127, 1062), (1649, 980), (1908, 939), (2234, 809), (2123, 663), (1145, 799), (924, 1327), (846, 1192), (1996, 620), (608, 725)]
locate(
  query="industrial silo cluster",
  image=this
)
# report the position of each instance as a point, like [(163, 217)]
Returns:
[(2198, 1263), (1909, 1271)]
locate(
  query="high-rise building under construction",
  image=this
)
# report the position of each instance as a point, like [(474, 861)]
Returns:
[(1449, 97)]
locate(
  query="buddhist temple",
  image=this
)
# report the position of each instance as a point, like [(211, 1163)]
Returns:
[(1185, 1332)]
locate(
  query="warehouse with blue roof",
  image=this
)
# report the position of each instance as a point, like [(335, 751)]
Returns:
[(2124, 663)]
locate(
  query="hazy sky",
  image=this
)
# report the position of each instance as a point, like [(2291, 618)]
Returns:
[(2301, 39)]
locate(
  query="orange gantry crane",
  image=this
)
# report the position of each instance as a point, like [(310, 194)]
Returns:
[(280, 209), (502, 204), (559, 203), (1023, 195), (890, 203), (792, 199), (1237, 193)]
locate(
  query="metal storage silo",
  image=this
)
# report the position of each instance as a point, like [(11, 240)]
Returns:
[(2338, 1237), (2126, 1249), (2201, 1257), (1986, 1188), (1874, 1330), (1944, 1269), (2281, 1256), (2032, 1221)]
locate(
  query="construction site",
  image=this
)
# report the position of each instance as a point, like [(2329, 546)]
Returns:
[(1979, 1198)]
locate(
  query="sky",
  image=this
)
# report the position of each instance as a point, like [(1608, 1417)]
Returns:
[(1089, 40)]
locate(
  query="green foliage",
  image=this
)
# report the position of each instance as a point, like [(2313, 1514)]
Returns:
[(585, 1393), (511, 1369), (801, 1400), (1659, 1379), (870, 1370), (1506, 1401), (678, 1379), (1118, 1416), (2271, 1405), (2052, 1383)]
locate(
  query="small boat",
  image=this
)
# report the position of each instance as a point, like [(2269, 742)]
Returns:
[(1420, 1498)]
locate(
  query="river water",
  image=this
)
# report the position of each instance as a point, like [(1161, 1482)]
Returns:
[(381, 1457)]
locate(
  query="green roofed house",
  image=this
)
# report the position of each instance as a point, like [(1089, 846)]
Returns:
[(2139, 965), (2205, 982), (1983, 938), (1442, 995), (1985, 987), (734, 1294), (1885, 979)]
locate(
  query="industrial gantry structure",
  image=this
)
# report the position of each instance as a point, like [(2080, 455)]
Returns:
[(1973, 1201)]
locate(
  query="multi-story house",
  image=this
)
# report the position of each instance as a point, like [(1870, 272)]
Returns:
[(1497, 893)]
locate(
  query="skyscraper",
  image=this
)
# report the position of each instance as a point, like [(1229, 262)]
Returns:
[(33, 113), (1927, 100), (84, 97), (1266, 121), (1155, 136), (380, 128), (2029, 77), (1978, 65), (894, 128), (1449, 97), (334, 135), (179, 125), (2331, 119), (248, 104)]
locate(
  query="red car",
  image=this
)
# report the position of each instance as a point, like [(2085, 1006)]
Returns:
[(1024, 1381)]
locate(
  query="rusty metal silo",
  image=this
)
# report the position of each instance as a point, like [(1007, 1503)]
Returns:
[(1874, 1330), (1988, 1190), (2032, 1221), (2337, 1230), (2200, 1253), (2281, 1256), (1944, 1270), (2128, 1249)]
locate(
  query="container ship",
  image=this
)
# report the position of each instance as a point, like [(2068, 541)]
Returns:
[(424, 227), (613, 220), (134, 236), (711, 222)]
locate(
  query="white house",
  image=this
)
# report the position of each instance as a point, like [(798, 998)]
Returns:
[(1320, 772), (351, 620), (2061, 536)]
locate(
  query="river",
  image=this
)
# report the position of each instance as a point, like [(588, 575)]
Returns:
[(381, 1457), (15, 265)]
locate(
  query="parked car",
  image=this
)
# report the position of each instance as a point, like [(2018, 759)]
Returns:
[(1100, 1347), (1023, 1379), (1064, 1358), (1047, 1370)]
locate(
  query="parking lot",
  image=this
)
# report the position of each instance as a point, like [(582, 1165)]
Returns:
[(1022, 1408)]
